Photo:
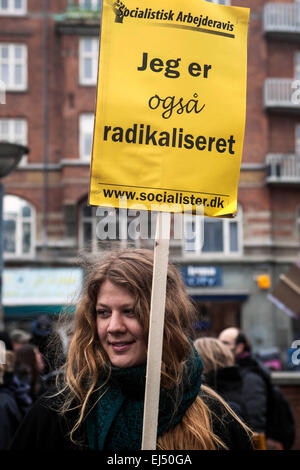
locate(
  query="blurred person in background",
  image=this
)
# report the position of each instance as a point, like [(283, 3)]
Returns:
[(221, 374), (51, 345), (54, 357), (14, 396), (29, 367), (255, 391), (269, 411), (19, 338), (41, 331), (5, 337)]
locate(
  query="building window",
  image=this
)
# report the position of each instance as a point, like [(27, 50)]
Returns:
[(13, 7), (115, 223), (193, 233), (18, 227), (90, 4), (15, 132), (86, 129), (212, 235), (88, 61), (13, 66)]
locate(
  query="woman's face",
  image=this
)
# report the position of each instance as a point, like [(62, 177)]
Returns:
[(119, 330)]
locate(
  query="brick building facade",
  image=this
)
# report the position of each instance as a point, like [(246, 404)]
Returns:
[(48, 60)]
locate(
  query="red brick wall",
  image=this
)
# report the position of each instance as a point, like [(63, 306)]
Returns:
[(264, 133), (66, 100), (256, 131)]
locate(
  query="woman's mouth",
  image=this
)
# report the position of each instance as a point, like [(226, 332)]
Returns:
[(121, 346)]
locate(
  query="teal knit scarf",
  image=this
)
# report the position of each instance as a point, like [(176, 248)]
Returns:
[(115, 423)]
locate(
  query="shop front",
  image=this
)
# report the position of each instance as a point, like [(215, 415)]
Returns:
[(217, 306), (31, 292)]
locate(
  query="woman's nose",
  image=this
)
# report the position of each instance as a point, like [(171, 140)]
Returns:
[(116, 323)]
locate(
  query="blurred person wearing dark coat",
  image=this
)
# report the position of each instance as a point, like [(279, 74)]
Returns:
[(41, 332), (255, 390), (19, 338), (221, 373), (29, 367), (268, 410), (14, 398), (48, 342)]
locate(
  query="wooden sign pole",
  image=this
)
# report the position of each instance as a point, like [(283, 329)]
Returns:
[(156, 328)]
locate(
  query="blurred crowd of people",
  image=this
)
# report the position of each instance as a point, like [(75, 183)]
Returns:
[(230, 368), (32, 361)]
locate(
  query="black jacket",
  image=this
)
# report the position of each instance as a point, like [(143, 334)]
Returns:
[(10, 418), (255, 393), (44, 429), (228, 382), (14, 403)]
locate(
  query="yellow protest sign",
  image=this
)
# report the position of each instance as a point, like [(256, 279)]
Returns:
[(171, 105)]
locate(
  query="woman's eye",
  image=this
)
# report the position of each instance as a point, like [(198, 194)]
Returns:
[(129, 313), (103, 313)]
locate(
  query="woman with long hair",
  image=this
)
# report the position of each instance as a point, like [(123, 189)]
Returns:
[(29, 367), (221, 374), (99, 403)]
